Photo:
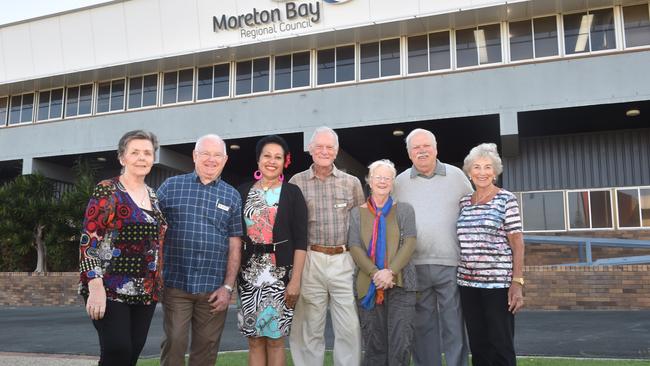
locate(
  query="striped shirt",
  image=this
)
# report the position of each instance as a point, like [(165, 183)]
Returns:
[(485, 255), (201, 218), (329, 203)]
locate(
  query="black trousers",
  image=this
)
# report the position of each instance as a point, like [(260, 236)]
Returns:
[(123, 332), (490, 326)]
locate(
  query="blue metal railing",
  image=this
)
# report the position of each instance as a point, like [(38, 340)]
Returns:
[(585, 245)]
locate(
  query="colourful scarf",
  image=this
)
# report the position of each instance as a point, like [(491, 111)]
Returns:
[(377, 250)]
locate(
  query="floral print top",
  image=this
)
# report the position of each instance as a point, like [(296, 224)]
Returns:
[(485, 254), (122, 244)]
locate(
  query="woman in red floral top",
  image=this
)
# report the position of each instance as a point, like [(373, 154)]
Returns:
[(120, 253)]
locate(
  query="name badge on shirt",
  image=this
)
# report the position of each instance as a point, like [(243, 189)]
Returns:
[(221, 206), (340, 205)]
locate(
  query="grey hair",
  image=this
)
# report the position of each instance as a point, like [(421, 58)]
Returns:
[(484, 150), (376, 164), (210, 136), (136, 135), (412, 134), (323, 129)]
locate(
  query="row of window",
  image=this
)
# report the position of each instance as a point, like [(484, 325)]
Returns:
[(584, 32), (621, 208)]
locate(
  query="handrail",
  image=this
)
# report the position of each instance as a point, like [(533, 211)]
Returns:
[(587, 243)]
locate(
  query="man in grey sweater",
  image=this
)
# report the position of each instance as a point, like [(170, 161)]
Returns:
[(434, 190)]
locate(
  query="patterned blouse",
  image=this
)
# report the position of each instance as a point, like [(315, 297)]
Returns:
[(121, 243), (485, 255)]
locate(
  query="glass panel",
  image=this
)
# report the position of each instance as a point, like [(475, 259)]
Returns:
[(27, 108), (521, 40), (185, 85), (150, 90), (576, 32), (3, 111), (204, 89), (169, 88), (543, 211), (579, 210), (344, 63), (221, 86), (117, 95), (282, 72), (488, 39), (85, 99), (439, 51), (417, 58), (14, 110), (601, 209), (43, 106), (261, 72), (56, 103), (465, 48), (301, 69), (135, 92), (103, 97), (390, 57), (645, 206), (637, 25), (369, 63), (545, 36), (602, 30), (627, 201), (72, 101), (244, 69), (325, 59)]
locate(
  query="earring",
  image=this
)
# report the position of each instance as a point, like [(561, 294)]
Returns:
[(257, 175), (281, 178)]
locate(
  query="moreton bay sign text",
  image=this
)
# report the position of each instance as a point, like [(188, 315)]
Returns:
[(269, 21)]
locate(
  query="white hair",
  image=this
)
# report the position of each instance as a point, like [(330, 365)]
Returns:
[(213, 137), (417, 131), (323, 129), (484, 150), (376, 164)]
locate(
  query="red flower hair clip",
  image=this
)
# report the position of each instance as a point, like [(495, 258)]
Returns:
[(287, 160)]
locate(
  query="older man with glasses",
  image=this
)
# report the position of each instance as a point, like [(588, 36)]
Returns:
[(202, 254)]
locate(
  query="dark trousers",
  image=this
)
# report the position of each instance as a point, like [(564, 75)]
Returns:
[(490, 326), (123, 332)]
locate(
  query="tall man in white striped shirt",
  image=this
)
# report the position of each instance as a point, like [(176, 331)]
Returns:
[(434, 190)]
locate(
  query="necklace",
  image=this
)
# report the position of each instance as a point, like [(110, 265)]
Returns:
[(478, 199), (140, 202), (266, 188)]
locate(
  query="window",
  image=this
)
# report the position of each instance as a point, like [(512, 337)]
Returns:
[(178, 86), (3, 111), (533, 38), (590, 31), (213, 82), (478, 46), (380, 59), (110, 96), (636, 21), (50, 104), (335, 65), (590, 209), (543, 211), (78, 100), (291, 71), (143, 91), (253, 76), (21, 109), (429, 52), (633, 207)]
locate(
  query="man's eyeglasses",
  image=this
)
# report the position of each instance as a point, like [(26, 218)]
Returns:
[(206, 155), (378, 178)]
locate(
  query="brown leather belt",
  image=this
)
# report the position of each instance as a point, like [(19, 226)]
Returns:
[(327, 249)]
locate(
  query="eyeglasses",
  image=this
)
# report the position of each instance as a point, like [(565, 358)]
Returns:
[(206, 155), (378, 178), (328, 148)]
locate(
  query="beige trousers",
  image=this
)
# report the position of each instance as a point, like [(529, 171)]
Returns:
[(326, 281)]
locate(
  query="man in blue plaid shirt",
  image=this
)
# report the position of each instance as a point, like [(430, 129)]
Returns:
[(201, 255)]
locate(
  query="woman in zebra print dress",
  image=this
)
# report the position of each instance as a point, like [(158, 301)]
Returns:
[(273, 255)]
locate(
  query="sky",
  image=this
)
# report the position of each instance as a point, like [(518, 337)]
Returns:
[(13, 11)]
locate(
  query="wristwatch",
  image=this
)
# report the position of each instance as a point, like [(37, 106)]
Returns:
[(229, 288), (519, 280)]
